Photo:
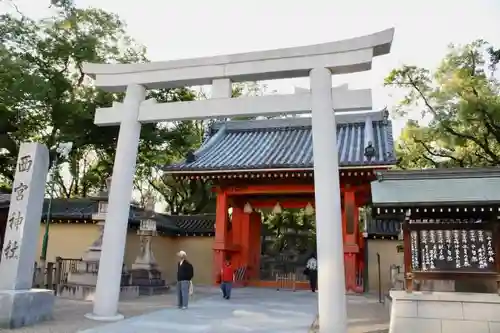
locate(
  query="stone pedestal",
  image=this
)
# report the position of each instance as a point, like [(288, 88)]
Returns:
[(81, 284), (149, 281), (444, 312), (20, 308), (145, 273)]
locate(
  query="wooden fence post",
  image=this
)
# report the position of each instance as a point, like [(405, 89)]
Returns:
[(35, 274), (58, 275), (49, 279)]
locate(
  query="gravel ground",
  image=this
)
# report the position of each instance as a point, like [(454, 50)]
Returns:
[(69, 314), (366, 315)]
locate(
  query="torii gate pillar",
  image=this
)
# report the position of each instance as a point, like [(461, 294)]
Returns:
[(329, 239), (115, 231)]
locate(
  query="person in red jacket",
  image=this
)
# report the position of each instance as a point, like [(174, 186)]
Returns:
[(227, 276)]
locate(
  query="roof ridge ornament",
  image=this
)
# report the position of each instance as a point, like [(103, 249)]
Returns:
[(190, 157), (370, 151)]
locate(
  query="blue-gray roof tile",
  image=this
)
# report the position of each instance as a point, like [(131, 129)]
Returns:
[(284, 144)]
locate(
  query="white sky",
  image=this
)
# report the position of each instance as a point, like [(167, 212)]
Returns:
[(194, 28)]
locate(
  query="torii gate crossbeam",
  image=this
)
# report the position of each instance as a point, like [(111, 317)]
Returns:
[(318, 62)]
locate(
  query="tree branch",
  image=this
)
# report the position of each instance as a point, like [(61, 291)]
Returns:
[(447, 128), (436, 154)]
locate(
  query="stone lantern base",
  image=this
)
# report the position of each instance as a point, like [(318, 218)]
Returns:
[(145, 273), (81, 284), (149, 281), (81, 281)]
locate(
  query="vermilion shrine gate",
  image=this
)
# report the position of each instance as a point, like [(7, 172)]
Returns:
[(263, 163)]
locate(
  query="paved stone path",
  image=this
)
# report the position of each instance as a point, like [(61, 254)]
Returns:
[(250, 310), (366, 315), (69, 314)]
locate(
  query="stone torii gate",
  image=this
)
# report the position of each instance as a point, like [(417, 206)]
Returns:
[(318, 62)]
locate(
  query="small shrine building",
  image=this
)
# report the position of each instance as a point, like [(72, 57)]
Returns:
[(256, 164), (450, 231)]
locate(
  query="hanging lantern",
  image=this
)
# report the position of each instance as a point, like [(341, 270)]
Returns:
[(277, 208), (309, 210), (248, 208)]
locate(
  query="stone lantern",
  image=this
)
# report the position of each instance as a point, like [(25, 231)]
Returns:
[(83, 279), (145, 272)]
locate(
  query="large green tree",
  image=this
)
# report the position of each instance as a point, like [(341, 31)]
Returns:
[(460, 108), (45, 96)]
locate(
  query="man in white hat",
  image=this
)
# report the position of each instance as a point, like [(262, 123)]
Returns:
[(185, 273)]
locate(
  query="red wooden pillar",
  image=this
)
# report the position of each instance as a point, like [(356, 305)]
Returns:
[(238, 230), (351, 231), (222, 241), (254, 246), (246, 241)]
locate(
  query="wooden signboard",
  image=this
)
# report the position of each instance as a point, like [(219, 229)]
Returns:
[(450, 249)]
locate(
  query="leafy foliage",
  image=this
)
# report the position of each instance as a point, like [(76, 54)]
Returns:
[(293, 230), (460, 101), (45, 96), (187, 196)]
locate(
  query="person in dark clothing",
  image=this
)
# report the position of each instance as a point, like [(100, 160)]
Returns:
[(312, 272), (185, 273)]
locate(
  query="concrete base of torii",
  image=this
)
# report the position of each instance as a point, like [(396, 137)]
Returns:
[(20, 308)]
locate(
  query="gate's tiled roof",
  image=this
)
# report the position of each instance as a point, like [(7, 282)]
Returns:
[(194, 224), (286, 144)]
